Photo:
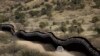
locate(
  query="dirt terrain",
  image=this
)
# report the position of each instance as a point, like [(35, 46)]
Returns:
[(65, 18)]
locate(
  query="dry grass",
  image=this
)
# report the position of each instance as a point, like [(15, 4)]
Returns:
[(83, 16)]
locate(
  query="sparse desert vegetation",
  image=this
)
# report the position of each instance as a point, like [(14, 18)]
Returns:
[(62, 17)]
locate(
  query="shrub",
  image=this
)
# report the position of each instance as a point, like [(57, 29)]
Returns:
[(46, 0), (74, 22), (43, 11), (54, 23), (97, 2), (3, 19), (95, 19), (36, 6), (67, 22), (77, 4), (20, 17), (34, 13), (43, 24), (68, 4), (48, 9), (76, 28), (79, 29), (97, 27), (28, 1), (15, 6), (63, 27), (97, 30), (60, 4), (19, 7)]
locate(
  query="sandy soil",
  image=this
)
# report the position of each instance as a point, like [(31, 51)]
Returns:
[(40, 48)]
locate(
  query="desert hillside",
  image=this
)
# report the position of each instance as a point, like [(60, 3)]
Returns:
[(65, 18)]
